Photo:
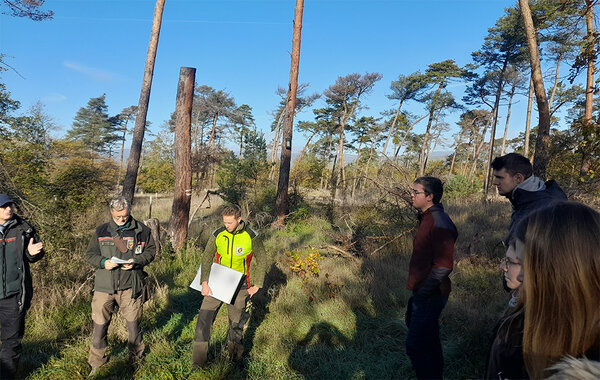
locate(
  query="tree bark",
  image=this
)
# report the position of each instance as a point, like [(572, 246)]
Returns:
[(556, 79), (154, 226), (140, 121), (510, 100), (275, 148), (281, 203), (488, 173), (542, 144), (178, 225), (356, 170), (589, 90), (392, 127), (429, 123), (528, 119)]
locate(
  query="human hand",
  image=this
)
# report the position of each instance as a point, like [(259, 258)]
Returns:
[(109, 265), (127, 266), (34, 248), (252, 290), (206, 289)]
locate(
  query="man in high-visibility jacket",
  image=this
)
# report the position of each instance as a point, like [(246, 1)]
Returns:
[(237, 246)]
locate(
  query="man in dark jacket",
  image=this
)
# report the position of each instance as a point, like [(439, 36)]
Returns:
[(431, 262), (514, 179), (18, 249), (119, 250)]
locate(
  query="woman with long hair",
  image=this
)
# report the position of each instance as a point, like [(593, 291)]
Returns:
[(561, 287), (505, 358)]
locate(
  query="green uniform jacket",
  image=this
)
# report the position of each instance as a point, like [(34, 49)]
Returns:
[(241, 250), (15, 259), (102, 247)]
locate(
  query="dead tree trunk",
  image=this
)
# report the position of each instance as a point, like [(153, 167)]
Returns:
[(528, 119), (589, 90), (281, 203), (139, 129), (542, 143), (182, 197)]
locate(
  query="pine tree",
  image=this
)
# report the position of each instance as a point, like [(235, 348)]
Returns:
[(93, 127)]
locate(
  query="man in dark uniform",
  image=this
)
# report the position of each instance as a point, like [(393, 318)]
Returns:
[(18, 248), (119, 250)]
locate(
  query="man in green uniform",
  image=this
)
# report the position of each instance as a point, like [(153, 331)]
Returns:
[(119, 250), (238, 247)]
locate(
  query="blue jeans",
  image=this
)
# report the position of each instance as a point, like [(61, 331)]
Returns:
[(423, 345)]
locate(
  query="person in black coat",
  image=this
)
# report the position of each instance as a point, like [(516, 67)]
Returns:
[(19, 247)]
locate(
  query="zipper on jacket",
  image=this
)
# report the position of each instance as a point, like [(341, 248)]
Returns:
[(232, 238)]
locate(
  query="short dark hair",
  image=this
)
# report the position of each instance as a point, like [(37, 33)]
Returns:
[(432, 185), (231, 210), (513, 163)]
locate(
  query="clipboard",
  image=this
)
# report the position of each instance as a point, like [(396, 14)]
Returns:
[(223, 282)]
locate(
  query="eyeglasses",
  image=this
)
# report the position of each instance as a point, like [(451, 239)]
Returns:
[(415, 192), (507, 263)]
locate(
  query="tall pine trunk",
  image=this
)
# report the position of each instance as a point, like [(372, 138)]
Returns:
[(542, 144), (281, 203), (139, 129)]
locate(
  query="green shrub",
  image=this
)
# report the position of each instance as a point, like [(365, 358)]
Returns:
[(459, 186)]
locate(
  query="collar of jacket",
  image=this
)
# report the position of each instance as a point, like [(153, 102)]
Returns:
[(241, 227), (438, 207), (114, 228)]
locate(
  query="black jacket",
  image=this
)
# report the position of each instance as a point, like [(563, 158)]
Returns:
[(505, 358), (524, 202), (15, 259)]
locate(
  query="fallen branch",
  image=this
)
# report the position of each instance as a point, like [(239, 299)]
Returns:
[(394, 239), (333, 247), (82, 285)]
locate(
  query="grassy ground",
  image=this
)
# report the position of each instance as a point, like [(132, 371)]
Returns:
[(345, 323)]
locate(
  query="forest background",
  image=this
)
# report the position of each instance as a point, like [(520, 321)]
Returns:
[(335, 295)]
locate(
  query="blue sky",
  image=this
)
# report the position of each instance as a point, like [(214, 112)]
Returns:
[(93, 47)]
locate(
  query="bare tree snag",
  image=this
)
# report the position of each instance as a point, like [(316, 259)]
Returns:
[(139, 129), (281, 203), (182, 197)]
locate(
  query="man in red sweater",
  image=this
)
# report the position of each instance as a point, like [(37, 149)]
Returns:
[(431, 262)]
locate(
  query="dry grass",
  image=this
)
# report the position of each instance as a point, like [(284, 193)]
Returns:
[(345, 323)]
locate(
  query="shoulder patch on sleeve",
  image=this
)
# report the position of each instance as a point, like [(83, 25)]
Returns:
[(218, 231)]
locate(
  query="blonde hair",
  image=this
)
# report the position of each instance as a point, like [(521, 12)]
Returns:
[(562, 285)]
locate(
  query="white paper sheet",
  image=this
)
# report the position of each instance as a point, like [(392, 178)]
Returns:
[(223, 282), (116, 260)]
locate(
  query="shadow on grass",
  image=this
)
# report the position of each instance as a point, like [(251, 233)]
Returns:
[(376, 351), (274, 280)]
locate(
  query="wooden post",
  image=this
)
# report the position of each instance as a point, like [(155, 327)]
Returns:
[(182, 197), (150, 208)]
